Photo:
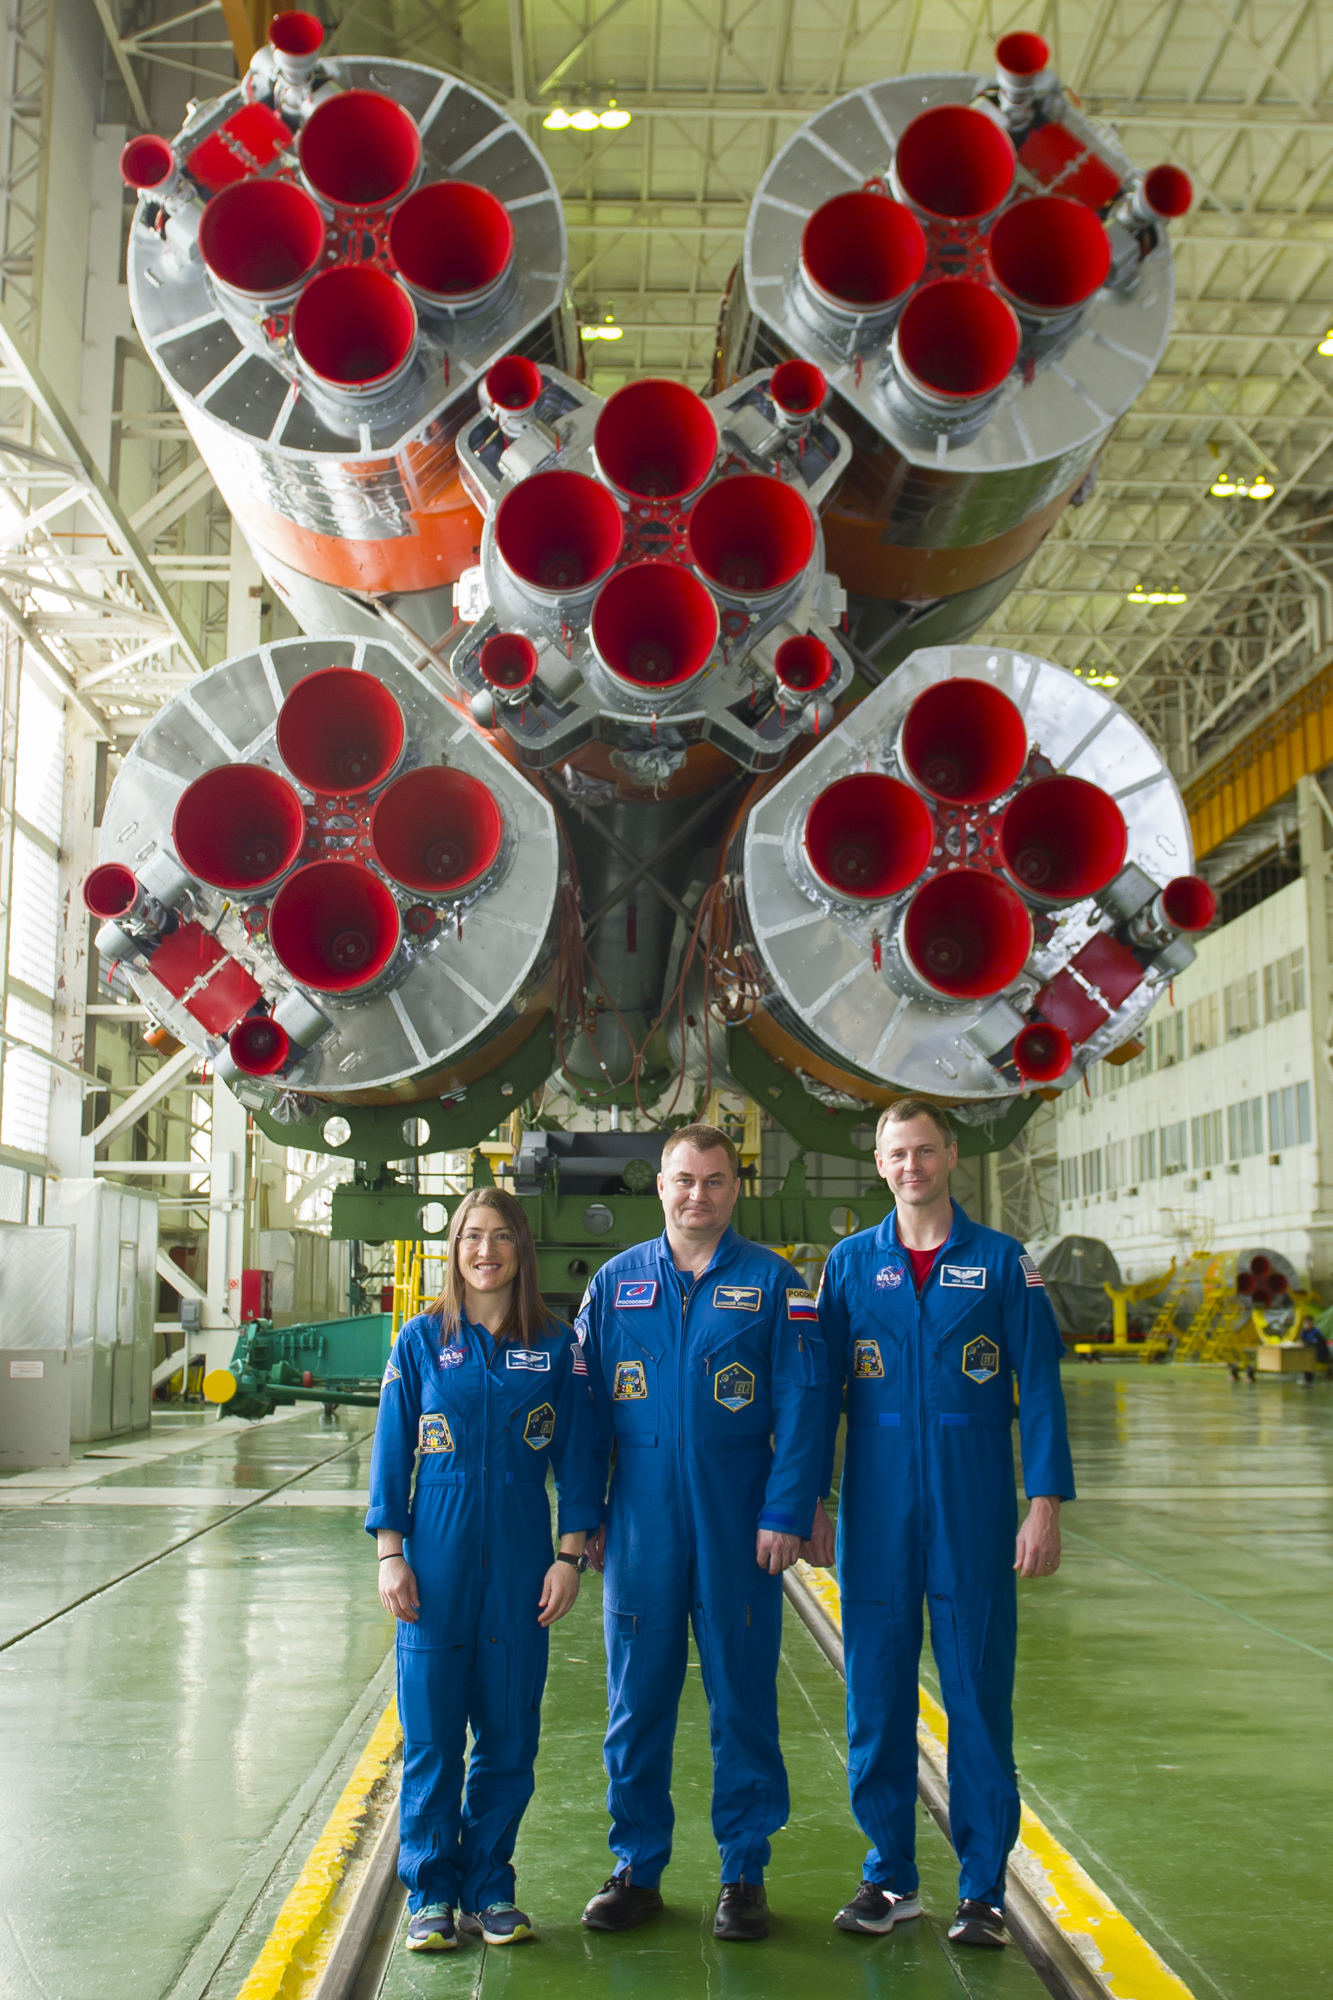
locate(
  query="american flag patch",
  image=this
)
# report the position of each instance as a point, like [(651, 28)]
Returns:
[(1031, 1275), (580, 1365), (802, 1305)]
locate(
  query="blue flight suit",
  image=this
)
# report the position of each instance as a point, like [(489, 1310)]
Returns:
[(479, 1421), (713, 1390), (928, 1508)]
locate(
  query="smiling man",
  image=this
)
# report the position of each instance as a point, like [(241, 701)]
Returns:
[(930, 1322), (708, 1373)]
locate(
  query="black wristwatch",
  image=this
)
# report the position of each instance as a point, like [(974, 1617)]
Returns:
[(580, 1563)]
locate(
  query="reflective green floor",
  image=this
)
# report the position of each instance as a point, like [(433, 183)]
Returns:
[(170, 1746)]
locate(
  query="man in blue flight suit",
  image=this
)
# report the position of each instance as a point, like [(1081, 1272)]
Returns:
[(708, 1373), (930, 1321)]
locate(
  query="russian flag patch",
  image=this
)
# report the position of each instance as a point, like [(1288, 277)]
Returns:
[(802, 1305), (1031, 1275)]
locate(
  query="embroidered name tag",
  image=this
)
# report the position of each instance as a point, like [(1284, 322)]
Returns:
[(888, 1277), (1031, 1275), (866, 1360), (434, 1434), (540, 1427), (634, 1293), (533, 1360), (454, 1355), (981, 1360), (966, 1277), (802, 1305), (738, 1298), (734, 1387), (629, 1384)]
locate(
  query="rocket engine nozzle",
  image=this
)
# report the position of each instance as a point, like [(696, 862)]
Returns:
[(111, 891), (1021, 60), (861, 253), (751, 535), (1049, 255), (334, 926), (239, 827), (1163, 195), (868, 836), (955, 342), (1188, 903), (508, 664), (360, 150), (262, 239), (656, 441), (259, 1046), (355, 330), (966, 934), (954, 164), (654, 625), (149, 164), (296, 39), (340, 732), (803, 665), (436, 830), (964, 741), (1042, 1052), (1062, 839), (558, 534), (453, 244), (799, 391)]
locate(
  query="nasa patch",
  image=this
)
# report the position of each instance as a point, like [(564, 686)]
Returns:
[(888, 1277), (454, 1355), (635, 1294), (964, 1277), (630, 1384), (866, 1360), (532, 1360), (540, 1427), (981, 1360), (434, 1434), (738, 1298), (733, 1387)]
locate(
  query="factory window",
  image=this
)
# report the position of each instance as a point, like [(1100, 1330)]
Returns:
[(1174, 1142), (1284, 986), (1206, 1140), (1288, 1116), (1245, 1128), (1069, 1180), (1092, 1172), (1171, 1038), (1240, 1005), (1117, 1164), (1204, 1031), (1143, 1156), (33, 912), (1142, 1064)]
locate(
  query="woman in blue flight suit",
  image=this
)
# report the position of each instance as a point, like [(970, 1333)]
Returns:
[(480, 1392)]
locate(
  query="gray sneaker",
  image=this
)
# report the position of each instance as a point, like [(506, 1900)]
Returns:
[(978, 1923), (498, 1923), (877, 1910), (431, 1928)]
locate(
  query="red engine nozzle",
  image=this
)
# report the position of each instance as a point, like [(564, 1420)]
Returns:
[(868, 836), (238, 827), (334, 926), (295, 34), (436, 830), (508, 662), (1261, 1297), (798, 390), (340, 732), (964, 741), (148, 164), (1167, 192), (262, 238), (803, 665), (360, 150), (514, 385), (654, 625), (656, 441), (1022, 55), (259, 1047), (751, 534), (954, 164), (1188, 903), (956, 341), (967, 934), (1049, 254), (110, 891), (1261, 1266), (1063, 838), (1278, 1282), (355, 328), (1042, 1053), (558, 533), (1245, 1283), (453, 243), (861, 252)]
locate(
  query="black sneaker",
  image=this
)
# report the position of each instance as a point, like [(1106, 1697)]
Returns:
[(977, 1923), (742, 1912), (619, 1905), (876, 1909), (431, 1928), (498, 1923)]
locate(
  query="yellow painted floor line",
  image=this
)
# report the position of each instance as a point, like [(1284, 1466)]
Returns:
[(299, 1942), (1103, 1937)]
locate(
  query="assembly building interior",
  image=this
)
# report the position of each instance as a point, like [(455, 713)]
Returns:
[(573, 572)]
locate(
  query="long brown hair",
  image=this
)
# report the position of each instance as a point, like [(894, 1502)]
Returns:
[(528, 1314)]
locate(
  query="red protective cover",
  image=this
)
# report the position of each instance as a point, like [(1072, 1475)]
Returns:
[(1066, 1004), (1053, 156), (184, 957), (248, 140), (227, 998), (188, 956), (1112, 968)]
